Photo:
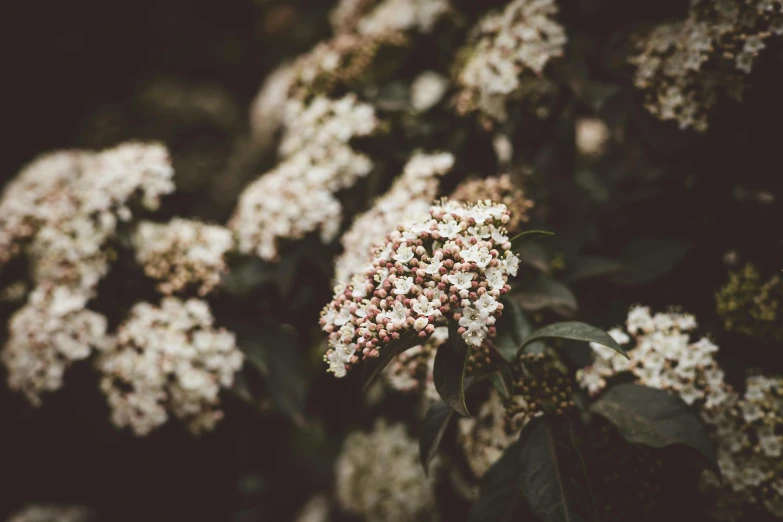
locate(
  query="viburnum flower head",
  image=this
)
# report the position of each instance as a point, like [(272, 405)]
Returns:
[(451, 263)]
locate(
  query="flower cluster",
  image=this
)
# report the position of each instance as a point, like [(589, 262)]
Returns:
[(378, 476), (182, 253), (485, 436), (686, 67), (63, 211), (749, 436), (168, 359), (64, 207), (410, 195), (752, 306), (664, 357), (298, 196), (50, 332), (523, 38), (411, 371), (452, 263), (500, 189), (51, 513)]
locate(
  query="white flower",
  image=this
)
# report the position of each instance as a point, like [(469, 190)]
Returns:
[(495, 278), (471, 317), (402, 285), (449, 228), (404, 254), (510, 264), (425, 307), (461, 280), (434, 266), (420, 323), (486, 304), (475, 334)]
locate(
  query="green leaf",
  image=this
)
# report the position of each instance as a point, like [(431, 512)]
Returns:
[(431, 431), (534, 256), (648, 259), (578, 332), (286, 383), (503, 381), (544, 467), (500, 487), (655, 418), (589, 267), (554, 482), (527, 236), (451, 359), (546, 293), (374, 366)]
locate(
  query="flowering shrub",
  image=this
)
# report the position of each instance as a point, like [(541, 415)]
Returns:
[(364, 260)]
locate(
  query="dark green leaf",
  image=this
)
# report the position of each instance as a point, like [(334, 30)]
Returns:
[(546, 293), (503, 381), (432, 429), (578, 332), (655, 418), (373, 367), (554, 482), (648, 259), (589, 267), (286, 383), (449, 371), (534, 256), (527, 236), (544, 467), (500, 487)]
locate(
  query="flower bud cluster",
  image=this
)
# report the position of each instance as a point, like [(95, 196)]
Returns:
[(298, 196), (183, 253), (502, 190), (507, 46), (685, 68), (379, 477), (544, 386), (664, 357), (410, 195), (485, 436), (751, 306), (168, 359), (748, 432), (452, 263)]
